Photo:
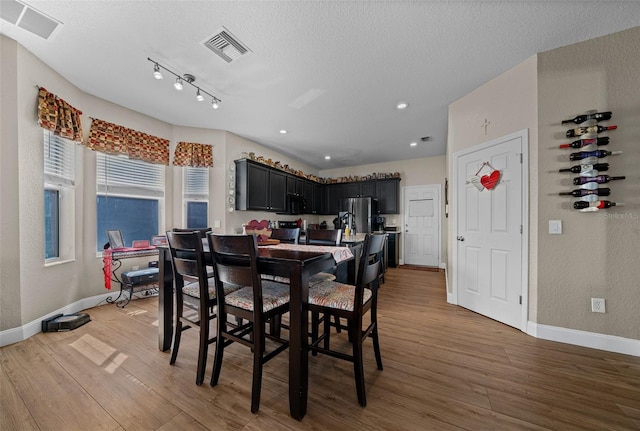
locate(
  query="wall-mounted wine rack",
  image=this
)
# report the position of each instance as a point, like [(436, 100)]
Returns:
[(590, 165)]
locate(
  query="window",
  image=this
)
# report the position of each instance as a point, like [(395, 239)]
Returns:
[(130, 198), (196, 197), (59, 194)]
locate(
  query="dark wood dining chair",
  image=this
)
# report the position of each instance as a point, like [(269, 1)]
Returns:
[(286, 235), (201, 231), (194, 290), (332, 298), (235, 262), (324, 237)]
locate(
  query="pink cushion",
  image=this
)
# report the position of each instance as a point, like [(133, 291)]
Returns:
[(331, 294)]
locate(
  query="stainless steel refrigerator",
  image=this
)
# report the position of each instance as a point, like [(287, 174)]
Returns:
[(359, 212)]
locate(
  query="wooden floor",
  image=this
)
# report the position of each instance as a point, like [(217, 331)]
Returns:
[(445, 368)]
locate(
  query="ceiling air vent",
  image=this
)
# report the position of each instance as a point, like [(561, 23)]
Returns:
[(28, 18), (227, 46)]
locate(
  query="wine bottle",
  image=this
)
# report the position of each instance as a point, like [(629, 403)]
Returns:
[(600, 179), (597, 153), (584, 142), (578, 131), (597, 204), (584, 168), (581, 192), (598, 116)]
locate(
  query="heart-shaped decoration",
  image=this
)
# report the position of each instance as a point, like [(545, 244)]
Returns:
[(475, 180), (491, 180)]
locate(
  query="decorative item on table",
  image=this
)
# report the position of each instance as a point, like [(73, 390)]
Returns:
[(260, 228), (140, 243)]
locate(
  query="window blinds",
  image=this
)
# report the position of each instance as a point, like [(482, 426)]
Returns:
[(59, 160), (120, 175), (196, 183)]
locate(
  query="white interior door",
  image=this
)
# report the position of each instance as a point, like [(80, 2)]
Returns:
[(422, 225), (489, 231)]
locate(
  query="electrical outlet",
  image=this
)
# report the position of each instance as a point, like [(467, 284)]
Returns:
[(597, 305)]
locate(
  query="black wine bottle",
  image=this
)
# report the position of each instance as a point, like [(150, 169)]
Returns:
[(597, 204), (597, 153), (584, 142), (582, 168), (578, 131), (598, 116), (581, 192), (600, 179)]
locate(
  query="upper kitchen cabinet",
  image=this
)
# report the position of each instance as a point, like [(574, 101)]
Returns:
[(259, 187), (388, 194)]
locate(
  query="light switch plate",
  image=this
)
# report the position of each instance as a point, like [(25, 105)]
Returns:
[(216, 223), (555, 227)]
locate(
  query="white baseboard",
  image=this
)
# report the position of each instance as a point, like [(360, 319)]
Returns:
[(610, 343), (23, 332)]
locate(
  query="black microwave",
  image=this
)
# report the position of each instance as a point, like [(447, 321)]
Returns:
[(296, 204)]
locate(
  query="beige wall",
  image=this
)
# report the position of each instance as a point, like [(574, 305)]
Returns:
[(509, 103), (598, 253)]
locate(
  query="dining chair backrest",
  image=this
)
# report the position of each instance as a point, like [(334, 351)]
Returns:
[(235, 262), (188, 258), (324, 237), (201, 231), (369, 268), (288, 235)]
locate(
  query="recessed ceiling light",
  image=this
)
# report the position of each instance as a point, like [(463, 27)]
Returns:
[(402, 105), (284, 132), (413, 144), (327, 157)]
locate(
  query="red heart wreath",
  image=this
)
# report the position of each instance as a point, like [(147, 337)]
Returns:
[(491, 180)]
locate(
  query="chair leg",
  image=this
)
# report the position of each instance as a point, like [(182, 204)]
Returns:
[(177, 336), (327, 331), (217, 360), (374, 334), (358, 369), (203, 347), (338, 324), (315, 323), (258, 353)]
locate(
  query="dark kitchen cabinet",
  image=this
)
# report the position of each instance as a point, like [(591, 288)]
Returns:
[(387, 192), (316, 201), (333, 197), (259, 187), (368, 188)]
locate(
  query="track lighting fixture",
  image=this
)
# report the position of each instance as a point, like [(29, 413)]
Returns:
[(156, 72), (181, 80)]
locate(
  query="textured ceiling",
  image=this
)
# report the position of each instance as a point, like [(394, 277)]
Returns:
[(330, 72)]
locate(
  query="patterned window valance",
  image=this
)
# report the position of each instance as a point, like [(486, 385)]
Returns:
[(58, 116), (193, 154), (114, 139)]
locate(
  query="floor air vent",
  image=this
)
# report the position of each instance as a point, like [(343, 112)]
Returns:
[(227, 46)]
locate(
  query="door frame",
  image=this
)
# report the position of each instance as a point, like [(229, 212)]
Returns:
[(437, 205), (524, 136)]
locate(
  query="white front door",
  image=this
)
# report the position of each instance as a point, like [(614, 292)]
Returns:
[(422, 225), (489, 231)]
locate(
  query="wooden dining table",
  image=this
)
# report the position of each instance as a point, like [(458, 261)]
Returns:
[(297, 264)]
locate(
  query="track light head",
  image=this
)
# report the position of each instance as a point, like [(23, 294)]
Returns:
[(178, 84), (156, 72), (199, 97), (214, 104)]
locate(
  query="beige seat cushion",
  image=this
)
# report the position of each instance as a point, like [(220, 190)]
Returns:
[(331, 294)]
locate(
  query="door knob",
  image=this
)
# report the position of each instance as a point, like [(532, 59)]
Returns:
[(460, 238)]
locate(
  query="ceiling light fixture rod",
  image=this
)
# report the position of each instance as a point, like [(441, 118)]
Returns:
[(186, 78)]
